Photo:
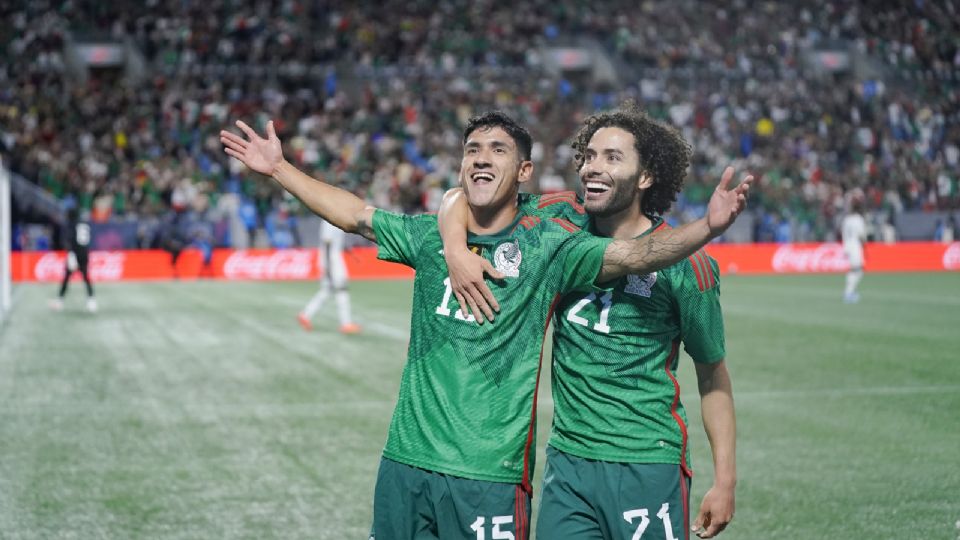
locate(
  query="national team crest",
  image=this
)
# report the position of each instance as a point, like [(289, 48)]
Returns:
[(507, 259), (640, 285)]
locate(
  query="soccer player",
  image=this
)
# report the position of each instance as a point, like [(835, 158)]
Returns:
[(460, 449), (77, 238), (853, 231), (617, 460), (333, 278)]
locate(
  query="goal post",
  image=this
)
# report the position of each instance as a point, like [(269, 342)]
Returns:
[(6, 217)]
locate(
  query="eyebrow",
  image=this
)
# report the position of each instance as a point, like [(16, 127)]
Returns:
[(495, 144), (607, 151)]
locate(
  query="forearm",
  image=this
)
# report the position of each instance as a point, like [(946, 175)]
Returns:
[(719, 422), (338, 206), (654, 251), (452, 220)]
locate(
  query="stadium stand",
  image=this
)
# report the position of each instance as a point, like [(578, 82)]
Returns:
[(825, 100)]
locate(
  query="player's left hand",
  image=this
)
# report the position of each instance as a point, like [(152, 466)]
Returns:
[(726, 204), (466, 270), (716, 511)]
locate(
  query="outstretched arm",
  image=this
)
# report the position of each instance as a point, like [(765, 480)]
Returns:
[(265, 156), (670, 246), (719, 421), (466, 269)]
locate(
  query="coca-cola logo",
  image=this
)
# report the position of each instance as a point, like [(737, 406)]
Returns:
[(951, 257), (283, 264), (820, 258), (103, 266)]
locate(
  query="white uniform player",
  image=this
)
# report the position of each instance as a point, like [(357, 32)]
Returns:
[(333, 279), (854, 233)]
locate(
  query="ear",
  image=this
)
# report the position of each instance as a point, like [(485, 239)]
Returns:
[(526, 172), (645, 181)]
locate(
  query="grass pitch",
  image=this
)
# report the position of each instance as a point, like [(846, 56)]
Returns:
[(201, 410)]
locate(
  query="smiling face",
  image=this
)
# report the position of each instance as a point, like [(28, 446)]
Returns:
[(611, 175), (492, 169)]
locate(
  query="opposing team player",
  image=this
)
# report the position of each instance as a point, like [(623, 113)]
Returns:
[(617, 460), (459, 453), (77, 238), (853, 231), (333, 279)]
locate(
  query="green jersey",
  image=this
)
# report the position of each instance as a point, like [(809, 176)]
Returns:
[(467, 402), (615, 357), (615, 354)]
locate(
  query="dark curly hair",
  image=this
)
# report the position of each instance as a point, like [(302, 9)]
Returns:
[(664, 154), (521, 137)]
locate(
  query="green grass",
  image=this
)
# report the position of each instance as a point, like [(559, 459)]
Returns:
[(201, 410)]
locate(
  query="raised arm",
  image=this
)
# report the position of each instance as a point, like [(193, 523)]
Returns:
[(265, 156), (465, 268), (667, 247)]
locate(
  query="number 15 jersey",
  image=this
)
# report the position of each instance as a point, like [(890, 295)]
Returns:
[(467, 394)]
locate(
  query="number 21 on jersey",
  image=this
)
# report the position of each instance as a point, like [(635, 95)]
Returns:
[(605, 303)]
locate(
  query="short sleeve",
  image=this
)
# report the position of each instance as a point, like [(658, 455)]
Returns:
[(399, 237), (578, 260), (701, 318)]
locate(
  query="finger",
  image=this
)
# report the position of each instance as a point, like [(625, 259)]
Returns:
[(464, 307), (474, 310), (744, 185), (230, 143), (230, 136), (698, 521), (271, 132), (488, 296), (233, 153), (489, 270), (247, 130), (725, 179), (711, 531), (480, 301)]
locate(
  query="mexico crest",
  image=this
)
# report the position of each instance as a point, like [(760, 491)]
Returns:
[(640, 285), (506, 259)]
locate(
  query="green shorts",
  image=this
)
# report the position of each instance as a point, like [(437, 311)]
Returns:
[(416, 504), (586, 499)]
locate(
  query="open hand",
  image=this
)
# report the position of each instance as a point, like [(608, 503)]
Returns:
[(261, 155), (726, 204), (466, 271)]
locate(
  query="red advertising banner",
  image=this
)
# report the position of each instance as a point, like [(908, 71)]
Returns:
[(362, 263), (254, 264)]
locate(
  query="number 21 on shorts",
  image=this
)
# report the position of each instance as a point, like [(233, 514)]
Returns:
[(642, 513), (496, 534)]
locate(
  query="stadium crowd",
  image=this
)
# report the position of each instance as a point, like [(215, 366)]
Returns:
[(374, 96)]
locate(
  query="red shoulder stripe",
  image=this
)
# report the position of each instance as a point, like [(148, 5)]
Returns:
[(697, 272), (707, 269), (559, 195), (577, 207), (565, 224)]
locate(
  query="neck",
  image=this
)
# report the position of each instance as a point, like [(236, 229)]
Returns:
[(630, 223), (491, 220)]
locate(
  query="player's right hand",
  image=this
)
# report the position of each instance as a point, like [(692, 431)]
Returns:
[(466, 271), (261, 155)]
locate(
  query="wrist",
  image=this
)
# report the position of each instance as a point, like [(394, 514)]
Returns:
[(279, 169), (728, 482)]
